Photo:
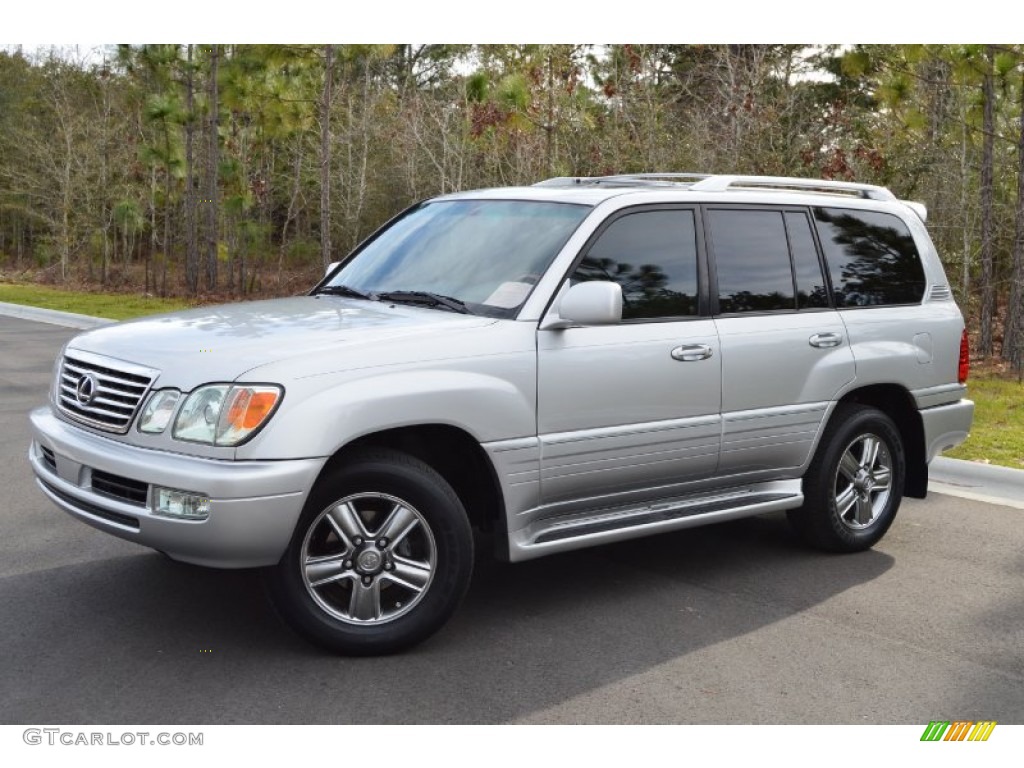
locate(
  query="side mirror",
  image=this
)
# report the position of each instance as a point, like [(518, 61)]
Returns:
[(597, 302), (330, 267)]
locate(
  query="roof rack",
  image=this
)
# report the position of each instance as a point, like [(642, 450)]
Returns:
[(786, 183), (705, 182), (626, 179)]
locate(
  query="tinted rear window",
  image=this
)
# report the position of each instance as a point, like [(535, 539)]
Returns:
[(871, 257), (752, 261), (810, 281)]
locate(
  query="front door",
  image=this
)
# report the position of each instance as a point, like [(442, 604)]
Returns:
[(631, 411)]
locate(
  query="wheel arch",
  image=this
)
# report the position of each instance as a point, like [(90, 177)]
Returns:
[(454, 454), (899, 405)]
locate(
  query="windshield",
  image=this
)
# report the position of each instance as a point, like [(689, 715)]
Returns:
[(485, 254)]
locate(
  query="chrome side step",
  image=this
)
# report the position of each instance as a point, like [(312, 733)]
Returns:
[(560, 534)]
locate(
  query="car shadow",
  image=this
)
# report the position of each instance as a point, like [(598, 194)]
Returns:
[(142, 639)]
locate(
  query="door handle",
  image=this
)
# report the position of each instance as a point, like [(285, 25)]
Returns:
[(823, 340), (688, 353)]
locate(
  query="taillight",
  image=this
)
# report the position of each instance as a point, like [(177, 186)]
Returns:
[(965, 358)]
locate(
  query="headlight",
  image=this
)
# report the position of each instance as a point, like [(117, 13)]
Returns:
[(158, 411), (197, 420), (221, 414)]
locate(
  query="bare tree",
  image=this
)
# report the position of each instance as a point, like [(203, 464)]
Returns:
[(212, 164), (988, 286), (1013, 339), (325, 158), (191, 245)]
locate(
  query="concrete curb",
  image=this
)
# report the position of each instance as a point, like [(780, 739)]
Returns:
[(958, 470), (52, 316), (980, 482)]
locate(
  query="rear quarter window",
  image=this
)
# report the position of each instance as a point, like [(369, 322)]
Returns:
[(871, 257)]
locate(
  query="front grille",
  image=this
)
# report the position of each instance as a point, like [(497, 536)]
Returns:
[(48, 458), (121, 488), (100, 392)]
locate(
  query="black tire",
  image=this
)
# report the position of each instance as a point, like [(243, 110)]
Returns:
[(344, 585), (850, 498)]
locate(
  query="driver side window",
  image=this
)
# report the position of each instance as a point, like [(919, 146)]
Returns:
[(653, 256)]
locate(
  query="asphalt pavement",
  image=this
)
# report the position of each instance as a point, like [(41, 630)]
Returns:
[(733, 623)]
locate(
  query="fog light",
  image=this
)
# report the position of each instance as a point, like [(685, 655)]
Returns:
[(189, 506)]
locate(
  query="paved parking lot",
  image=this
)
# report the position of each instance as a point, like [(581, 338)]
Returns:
[(735, 623)]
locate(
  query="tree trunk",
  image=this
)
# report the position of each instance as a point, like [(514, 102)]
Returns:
[(191, 245), (1013, 343), (965, 275), (167, 214), (292, 209), (325, 158), (65, 212), (106, 247), (988, 287), (212, 163), (106, 215), (152, 230), (549, 127)]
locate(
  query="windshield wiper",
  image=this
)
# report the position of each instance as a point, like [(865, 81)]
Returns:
[(344, 290), (425, 297)]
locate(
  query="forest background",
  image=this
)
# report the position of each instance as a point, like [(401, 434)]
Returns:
[(215, 172)]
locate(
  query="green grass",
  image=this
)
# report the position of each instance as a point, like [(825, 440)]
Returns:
[(116, 306), (997, 435)]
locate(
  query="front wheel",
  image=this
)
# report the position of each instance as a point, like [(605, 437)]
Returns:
[(854, 484), (380, 559)]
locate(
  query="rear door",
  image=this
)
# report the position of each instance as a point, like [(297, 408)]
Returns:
[(785, 351)]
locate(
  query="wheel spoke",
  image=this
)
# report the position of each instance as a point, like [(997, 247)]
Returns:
[(410, 574), (368, 559), (865, 510), (846, 500), (346, 523), (882, 477), (324, 570), (398, 525), (365, 602), (849, 465), (870, 454)]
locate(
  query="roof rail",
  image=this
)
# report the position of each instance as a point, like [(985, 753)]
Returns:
[(653, 179), (706, 182), (784, 183)]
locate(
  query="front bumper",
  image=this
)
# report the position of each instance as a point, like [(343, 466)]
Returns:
[(254, 505), (946, 426)]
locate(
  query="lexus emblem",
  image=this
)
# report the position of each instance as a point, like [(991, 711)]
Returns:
[(85, 392)]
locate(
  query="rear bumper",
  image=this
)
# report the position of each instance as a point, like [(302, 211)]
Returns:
[(946, 426), (254, 505)]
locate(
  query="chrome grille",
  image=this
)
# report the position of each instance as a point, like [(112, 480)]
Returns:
[(101, 392)]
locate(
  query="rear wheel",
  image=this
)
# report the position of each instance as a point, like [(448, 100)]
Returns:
[(854, 485), (380, 559)]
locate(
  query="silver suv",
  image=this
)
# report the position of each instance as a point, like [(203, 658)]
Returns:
[(578, 362)]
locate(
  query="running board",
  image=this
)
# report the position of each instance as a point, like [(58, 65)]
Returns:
[(560, 534)]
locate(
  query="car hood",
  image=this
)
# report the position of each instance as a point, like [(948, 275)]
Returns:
[(222, 343)]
